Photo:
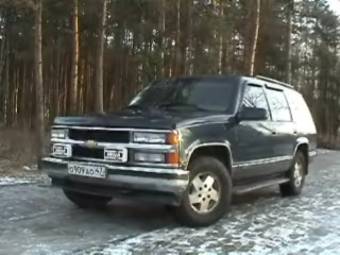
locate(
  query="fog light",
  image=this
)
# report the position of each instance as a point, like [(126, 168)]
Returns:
[(149, 157), (116, 155), (62, 150)]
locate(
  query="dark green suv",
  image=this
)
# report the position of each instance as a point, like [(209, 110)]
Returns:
[(189, 143)]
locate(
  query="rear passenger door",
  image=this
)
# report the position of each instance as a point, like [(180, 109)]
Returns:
[(284, 131)]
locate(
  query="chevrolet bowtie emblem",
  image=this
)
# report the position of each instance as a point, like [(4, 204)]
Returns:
[(91, 144)]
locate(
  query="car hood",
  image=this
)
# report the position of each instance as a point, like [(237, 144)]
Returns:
[(154, 119)]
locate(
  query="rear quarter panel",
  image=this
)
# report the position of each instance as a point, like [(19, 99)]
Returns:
[(303, 120)]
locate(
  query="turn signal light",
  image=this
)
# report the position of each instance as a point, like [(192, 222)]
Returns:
[(173, 158), (173, 138)]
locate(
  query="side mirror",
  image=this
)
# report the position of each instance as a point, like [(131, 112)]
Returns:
[(250, 113)]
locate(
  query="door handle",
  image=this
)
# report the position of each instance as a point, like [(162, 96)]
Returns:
[(274, 132)]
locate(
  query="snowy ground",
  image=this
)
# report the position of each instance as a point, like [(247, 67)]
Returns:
[(35, 219), (25, 179)]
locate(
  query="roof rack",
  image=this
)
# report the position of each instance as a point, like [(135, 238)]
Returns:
[(264, 78)]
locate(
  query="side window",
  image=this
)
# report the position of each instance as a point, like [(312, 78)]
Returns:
[(300, 111), (278, 105), (254, 97)]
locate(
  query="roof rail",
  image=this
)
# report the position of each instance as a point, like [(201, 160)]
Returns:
[(264, 78)]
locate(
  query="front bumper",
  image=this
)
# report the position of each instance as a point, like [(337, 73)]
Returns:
[(168, 184)]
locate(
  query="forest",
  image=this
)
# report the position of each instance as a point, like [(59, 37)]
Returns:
[(71, 57)]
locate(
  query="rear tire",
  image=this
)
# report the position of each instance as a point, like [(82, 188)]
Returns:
[(86, 200), (296, 175), (208, 195)]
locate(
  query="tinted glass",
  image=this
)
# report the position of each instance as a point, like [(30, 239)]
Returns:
[(278, 105), (301, 114), (185, 94), (254, 97)]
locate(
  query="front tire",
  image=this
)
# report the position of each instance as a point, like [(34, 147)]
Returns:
[(296, 175), (86, 200), (208, 195)]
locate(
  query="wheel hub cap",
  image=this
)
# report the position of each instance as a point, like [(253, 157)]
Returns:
[(298, 174), (204, 193)]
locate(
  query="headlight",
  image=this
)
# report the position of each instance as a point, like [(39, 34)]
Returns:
[(141, 137), (149, 157), (59, 133)]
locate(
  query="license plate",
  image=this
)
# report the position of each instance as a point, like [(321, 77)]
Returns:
[(87, 171)]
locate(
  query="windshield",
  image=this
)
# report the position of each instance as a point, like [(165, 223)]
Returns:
[(216, 95)]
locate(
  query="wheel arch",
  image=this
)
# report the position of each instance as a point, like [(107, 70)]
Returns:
[(220, 150), (303, 146)]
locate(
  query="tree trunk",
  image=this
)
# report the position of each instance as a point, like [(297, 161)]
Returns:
[(178, 57), (290, 11), (254, 42), (221, 41), (3, 60), (75, 60), (99, 89), (163, 38), (39, 90), (188, 60)]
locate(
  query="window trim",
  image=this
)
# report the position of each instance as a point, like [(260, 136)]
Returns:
[(268, 88), (290, 110), (262, 86)]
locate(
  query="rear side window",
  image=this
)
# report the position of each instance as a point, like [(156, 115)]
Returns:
[(254, 97), (278, 105), (300, 111)]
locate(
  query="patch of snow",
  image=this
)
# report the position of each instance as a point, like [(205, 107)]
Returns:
[(27, 168), (6, 181), (40, 249), (324, 151), (20, 180), (33, 215)]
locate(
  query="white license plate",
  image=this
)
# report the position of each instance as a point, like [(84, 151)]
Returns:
[(87, 170)]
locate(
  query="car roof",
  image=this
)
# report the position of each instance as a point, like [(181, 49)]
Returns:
[(269, 82), (209, 77), (260, 80)]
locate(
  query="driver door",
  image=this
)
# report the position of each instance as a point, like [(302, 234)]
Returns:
[(253, 137)]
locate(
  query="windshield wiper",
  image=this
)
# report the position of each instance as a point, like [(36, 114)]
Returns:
[(134, 107), (174, 105)]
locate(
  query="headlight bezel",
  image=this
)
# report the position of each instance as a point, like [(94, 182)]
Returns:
[(149, 137), (162, 138), (59, 133)]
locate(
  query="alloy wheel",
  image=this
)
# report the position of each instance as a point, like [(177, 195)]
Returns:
[(298, 173), (204, 192)]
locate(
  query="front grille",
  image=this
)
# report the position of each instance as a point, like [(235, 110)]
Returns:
[(83, 152), (109, 136)]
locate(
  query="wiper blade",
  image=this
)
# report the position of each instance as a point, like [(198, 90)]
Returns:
[(134, 107), (174, 105)]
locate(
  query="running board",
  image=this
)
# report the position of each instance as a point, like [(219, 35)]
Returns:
[(238, 190)]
